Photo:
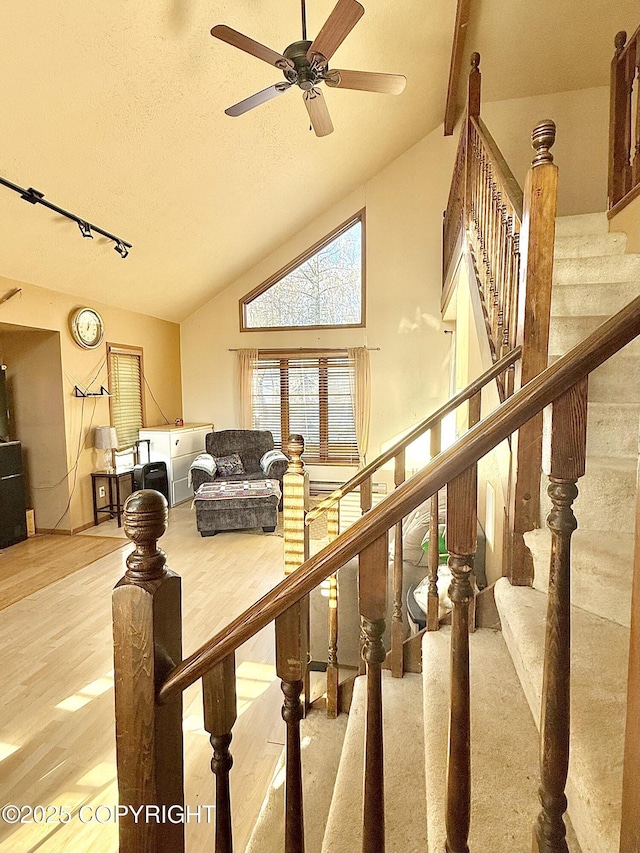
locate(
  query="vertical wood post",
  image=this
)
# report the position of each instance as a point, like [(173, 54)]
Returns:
[(147, 635), (461, 544), (433, 557), (372, 595), (634, 72), (565, 440), (537, 238), (292, 633), (219, 699), (397, 627), (295, 487), (365, 495), (333, 668), (619, 123), (630, 823)]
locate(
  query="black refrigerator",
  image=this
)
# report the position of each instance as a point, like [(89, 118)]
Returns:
[(13, 518)]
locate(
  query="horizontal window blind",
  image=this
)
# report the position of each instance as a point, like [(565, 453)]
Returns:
[(310, 396), (125, 387)]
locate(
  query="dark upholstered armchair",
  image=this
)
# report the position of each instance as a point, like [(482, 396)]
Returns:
[(250, 445)]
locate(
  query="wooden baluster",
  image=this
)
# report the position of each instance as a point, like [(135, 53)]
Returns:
[(565, 441), (365, 495), (537, 239), (292, 643), (397, 628), (630, 820), (433, 599), (333, 669), (147, 636), (365, 506), (461, 544), (219, 699), (372, 593), (619, 123)]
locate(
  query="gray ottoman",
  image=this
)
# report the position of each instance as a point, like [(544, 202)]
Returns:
[(237, 506)]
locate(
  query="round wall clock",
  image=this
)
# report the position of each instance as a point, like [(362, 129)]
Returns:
[(87, 328)]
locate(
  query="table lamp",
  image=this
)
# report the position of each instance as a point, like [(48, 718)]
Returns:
[(106, 439)]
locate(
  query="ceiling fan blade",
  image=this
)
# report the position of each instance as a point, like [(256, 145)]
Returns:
[(367, 81), (257, 99), (318, 112), (336, 28), (236, 39)]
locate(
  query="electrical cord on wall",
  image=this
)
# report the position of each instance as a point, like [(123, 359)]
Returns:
[(166, 419)]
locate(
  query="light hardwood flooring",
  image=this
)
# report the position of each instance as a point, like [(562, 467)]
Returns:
[(56, 721)]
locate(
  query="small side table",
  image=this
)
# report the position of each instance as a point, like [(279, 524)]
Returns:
[(115, 493)]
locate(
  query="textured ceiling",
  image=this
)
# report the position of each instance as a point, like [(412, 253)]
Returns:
[(542, 46), (115, 111)]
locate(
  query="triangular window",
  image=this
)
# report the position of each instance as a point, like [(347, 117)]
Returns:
[(324, 287)]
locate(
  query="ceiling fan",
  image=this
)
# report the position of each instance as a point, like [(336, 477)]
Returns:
[(306, 64)]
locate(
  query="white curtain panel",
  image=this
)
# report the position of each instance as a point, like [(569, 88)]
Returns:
[(361, 397)]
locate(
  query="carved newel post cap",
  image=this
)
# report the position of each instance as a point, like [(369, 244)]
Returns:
[(542, 138), (295, 446), (475, 61), (145, 521), (620, 40)]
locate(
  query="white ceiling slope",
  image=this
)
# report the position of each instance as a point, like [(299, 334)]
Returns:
[(115, 111)]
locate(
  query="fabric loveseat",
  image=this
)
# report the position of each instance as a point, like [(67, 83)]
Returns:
[(250, 445)]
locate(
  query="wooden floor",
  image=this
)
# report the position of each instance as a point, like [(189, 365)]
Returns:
[(56, 721)]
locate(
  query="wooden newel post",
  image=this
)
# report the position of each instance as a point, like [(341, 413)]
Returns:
[(147, 635), (537, 238), (565, 443), (474, 87), (619, 125), (295, 505)]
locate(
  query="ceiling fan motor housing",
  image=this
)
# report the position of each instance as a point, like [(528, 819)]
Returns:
[(306, 74)]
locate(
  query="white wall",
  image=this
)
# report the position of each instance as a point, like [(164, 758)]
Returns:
[(404, 205), (581, 149)]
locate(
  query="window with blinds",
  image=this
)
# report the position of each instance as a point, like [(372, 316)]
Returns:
[(125, 387), (310, 396)]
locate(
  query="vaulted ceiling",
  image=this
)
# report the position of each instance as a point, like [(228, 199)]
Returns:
[(115, 111)]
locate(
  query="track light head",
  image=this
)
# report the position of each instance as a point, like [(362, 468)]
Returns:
[(85, 228), (121, 249)]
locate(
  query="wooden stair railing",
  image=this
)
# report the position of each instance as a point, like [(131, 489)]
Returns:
[(507, 237), (297, 519), (150, 677), (624, 132)]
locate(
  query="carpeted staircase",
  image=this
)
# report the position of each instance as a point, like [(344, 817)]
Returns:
[(593, 279)]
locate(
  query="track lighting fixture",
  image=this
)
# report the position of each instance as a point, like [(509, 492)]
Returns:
[(86, 228)]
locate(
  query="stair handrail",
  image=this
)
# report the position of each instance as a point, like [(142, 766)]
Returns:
[(414, 433), (507, 179), (524, 404)]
